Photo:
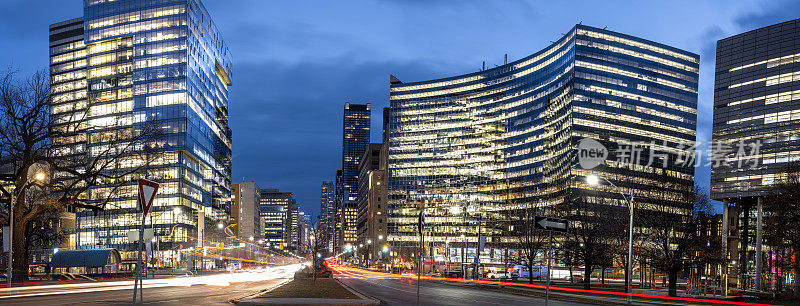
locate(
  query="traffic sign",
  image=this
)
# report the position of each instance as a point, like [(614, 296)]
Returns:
[(550, 224), (147, 192)]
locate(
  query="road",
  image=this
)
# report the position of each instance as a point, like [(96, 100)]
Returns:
[(198, 290), (403, 291)]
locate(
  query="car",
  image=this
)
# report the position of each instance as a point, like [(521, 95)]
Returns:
[(408, 274), (501, 275), (575, 278), (454, 273)]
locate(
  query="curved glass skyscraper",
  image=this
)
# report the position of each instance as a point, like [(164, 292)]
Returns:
[(466, 149)]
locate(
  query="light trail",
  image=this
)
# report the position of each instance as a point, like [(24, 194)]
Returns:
[(226, 279), (565, 289)]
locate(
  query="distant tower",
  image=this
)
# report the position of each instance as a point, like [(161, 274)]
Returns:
[(355, 139)]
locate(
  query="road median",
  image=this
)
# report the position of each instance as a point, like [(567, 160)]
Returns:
[(309, 291)]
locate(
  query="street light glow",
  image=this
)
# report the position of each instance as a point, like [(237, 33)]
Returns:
[(380, 237), (39, 176), (592, 180), (219, 225)]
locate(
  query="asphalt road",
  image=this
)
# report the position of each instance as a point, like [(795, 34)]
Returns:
[(403, 291), (201, 290)]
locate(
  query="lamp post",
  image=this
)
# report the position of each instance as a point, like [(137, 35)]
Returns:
[(595, 180), (39, 177)]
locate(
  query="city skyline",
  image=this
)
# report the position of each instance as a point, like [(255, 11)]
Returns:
[(574, 152), (369, 57)]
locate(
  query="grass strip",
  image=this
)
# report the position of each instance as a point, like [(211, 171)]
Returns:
[(322, 288)]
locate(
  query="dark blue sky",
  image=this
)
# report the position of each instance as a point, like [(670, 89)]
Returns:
[(297, 62)]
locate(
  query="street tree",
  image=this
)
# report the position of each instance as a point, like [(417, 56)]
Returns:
[(524, 236), (590, 233), (671, 232), (782, 219), (45, 176)]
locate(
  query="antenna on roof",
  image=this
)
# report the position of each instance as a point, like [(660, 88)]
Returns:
[(484, 66), (605, 27), (580, 22), (505, 60)]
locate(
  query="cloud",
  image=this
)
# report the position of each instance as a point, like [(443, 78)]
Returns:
[(770, 13), (286, 119)]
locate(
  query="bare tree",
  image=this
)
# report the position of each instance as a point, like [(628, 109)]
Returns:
[(29, 142), (590, 232), (782, 220), (524, 236), (672, 232)]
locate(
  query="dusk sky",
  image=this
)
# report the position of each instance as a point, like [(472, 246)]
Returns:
[(297, 62)]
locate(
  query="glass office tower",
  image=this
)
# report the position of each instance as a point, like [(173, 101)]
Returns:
[(756, 93), (469, 148), (355, 139), (152, 63), (327, 210), (275, 210)]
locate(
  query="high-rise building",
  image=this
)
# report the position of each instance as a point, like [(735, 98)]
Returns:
[(338, 234), (292, 238), (275, 211), (355, 138), (69, 108), (372, 209), (128, 64), (467, 149), (304, 226), (327, 208), (245, 213), (756, 90)]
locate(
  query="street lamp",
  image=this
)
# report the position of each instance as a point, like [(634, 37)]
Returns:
[(39, 177), (595, 180), (219, 225)]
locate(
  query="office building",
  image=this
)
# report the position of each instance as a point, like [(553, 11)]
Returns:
[(468, 149), (327, 208), (274, 210), (245, 212), (292, 231), (355, 138), (304, 229), (756, 93), (372, 209), (125, 66), (338, 234)]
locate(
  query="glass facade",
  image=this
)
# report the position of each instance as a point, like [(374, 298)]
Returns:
[(275, 211), (756, 93), (355, 139), (150, 63), (327, 212), (467, 149)]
